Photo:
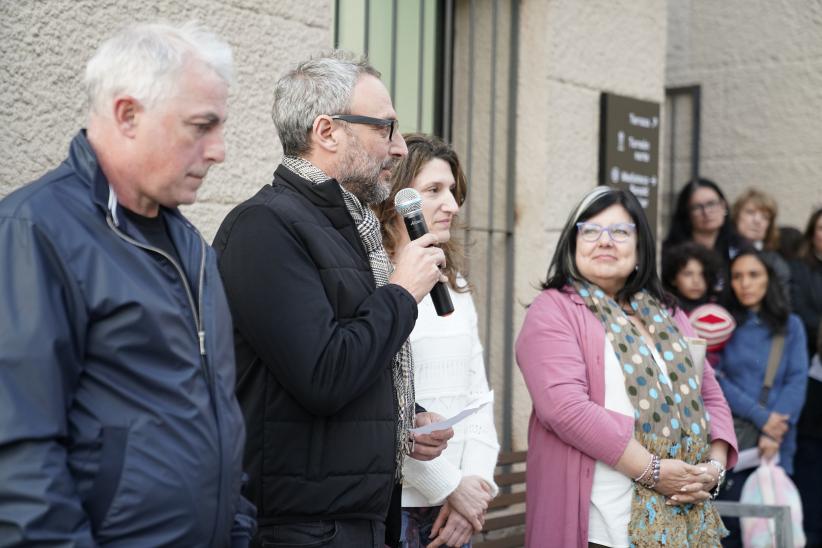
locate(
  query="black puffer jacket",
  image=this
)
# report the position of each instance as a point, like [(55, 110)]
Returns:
[(314, 342), (118, 421)]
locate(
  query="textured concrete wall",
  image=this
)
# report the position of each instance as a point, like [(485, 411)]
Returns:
[(759, 63), (570, 52), (44, 47), (480, 127)]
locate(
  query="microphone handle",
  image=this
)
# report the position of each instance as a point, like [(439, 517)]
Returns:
[(442, 299), (415, 224)]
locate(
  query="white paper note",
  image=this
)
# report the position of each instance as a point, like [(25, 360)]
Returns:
[(815, 372), (472, 408), (749, 458)]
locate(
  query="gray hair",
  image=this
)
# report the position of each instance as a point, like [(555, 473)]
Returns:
[(321, 85), (146, 60)]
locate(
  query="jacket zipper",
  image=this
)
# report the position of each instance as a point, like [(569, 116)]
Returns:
[(195, 310), (198, 326)]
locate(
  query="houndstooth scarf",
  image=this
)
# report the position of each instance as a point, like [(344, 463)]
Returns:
[(368, 226)]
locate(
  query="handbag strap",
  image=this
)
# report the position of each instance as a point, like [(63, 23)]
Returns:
[(819, 341), (775, 356)]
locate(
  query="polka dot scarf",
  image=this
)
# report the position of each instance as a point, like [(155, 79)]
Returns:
[(671, 421)]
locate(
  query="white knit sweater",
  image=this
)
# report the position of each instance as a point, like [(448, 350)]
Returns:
[(448, 375)]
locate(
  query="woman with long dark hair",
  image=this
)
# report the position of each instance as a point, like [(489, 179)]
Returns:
[(762, 317), (701, 216), (628, 434), (806, 291)]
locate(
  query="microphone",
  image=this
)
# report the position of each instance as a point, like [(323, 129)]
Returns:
[(408, 203)]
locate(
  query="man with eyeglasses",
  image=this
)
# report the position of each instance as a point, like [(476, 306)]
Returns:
[(322, 320)]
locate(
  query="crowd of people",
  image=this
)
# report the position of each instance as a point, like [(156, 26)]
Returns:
[(269, 389), (763, 293), (628, 406)]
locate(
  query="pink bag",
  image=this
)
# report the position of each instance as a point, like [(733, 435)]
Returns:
[(769, 484)]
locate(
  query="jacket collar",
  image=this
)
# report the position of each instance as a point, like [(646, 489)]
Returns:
[(325, 194), (83, 160), (327, 197)]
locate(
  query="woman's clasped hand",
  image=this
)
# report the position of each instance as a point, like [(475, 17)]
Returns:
[(684, 483)]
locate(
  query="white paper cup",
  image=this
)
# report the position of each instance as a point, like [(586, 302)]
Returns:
[(698, 348)]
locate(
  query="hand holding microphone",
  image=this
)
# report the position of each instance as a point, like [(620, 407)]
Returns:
[(418, 265)]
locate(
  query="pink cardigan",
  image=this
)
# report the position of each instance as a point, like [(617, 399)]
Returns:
[(560, 352)]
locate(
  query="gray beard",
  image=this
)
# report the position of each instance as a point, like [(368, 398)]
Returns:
[(370, 191)]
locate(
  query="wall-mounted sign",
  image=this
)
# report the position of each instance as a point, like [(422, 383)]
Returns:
[(628, 148)]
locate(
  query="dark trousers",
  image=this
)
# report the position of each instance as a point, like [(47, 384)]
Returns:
[(731, 490), (807, 468), (346, 533)]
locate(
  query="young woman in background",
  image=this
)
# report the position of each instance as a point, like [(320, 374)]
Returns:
[(761, 314)]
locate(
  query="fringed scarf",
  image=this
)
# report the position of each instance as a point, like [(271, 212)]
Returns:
[(671, 421)]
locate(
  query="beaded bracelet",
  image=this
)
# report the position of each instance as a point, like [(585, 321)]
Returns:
[(655, 479), (651, 482), (648, 467)]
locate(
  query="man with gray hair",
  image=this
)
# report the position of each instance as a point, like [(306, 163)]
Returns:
[(322, 319), (118, 420)]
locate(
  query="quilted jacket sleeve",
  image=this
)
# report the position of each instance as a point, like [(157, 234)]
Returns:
[(322, 361)]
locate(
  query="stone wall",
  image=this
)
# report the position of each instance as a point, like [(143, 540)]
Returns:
[(45, 47), (569, 52), (759, 64)]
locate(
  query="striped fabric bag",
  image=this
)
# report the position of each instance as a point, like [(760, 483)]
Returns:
[(769, 484)]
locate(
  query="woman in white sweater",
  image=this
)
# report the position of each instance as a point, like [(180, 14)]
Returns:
[(444, 500)]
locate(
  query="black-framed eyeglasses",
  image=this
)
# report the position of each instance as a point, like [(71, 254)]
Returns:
[(392, 124), (707, 207), (618, 232)]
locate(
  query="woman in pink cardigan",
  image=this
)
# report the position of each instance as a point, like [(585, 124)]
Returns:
[(629, 437)]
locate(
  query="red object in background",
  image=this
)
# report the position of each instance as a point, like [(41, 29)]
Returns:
[(714, 324)]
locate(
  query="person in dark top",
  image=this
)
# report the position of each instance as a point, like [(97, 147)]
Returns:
[(806, 287), (701, 216), (325, 372), (790, 242), (690, 272), (155, 231)]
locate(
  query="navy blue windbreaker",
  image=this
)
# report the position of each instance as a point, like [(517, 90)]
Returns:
[(118, 420)]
